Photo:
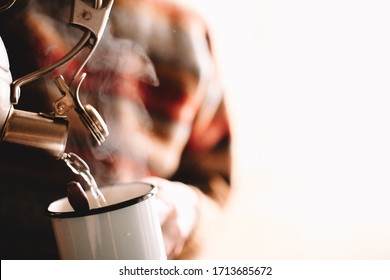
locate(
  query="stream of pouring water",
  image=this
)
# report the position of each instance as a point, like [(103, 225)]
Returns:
[(80, 167)]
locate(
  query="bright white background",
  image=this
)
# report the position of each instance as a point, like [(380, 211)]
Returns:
[(309, 94)]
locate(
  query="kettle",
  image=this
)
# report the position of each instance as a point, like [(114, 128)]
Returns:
[(49, 132)]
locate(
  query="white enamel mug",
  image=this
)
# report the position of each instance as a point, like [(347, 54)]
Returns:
[(127, 228)]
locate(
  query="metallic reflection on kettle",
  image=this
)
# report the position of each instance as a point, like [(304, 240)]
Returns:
[(26, 128)]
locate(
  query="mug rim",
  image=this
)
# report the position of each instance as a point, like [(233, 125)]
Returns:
[(104, 209)]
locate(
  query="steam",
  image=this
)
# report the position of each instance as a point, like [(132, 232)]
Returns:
[(125, 57), (113, 74)]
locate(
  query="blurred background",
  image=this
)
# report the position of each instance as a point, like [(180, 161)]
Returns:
[(309, 95)]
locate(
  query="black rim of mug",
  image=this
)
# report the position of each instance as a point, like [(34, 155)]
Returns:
[(104, 209)]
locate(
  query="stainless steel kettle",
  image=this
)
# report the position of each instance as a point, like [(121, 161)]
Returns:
[(49, 132)]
